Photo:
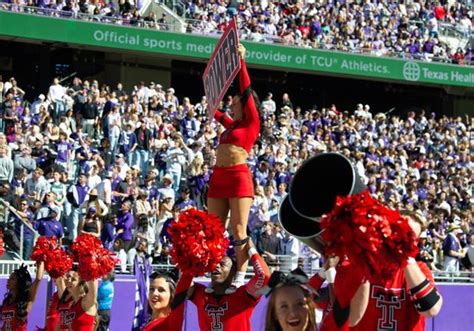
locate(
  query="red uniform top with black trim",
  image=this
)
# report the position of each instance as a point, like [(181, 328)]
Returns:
[(10, 321), (53, 317), (244, 132), (390, 307), (76, 319), (231, 312), (327, 323), (174, 321)]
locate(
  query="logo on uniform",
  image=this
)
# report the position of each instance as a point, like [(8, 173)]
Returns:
[(387, 300), (215, 312)]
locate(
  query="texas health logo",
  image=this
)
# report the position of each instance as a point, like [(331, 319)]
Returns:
[(411, 71)]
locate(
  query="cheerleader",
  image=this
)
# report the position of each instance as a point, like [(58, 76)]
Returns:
[(231, 186), (166, 314), (21, 293), (77, 303)]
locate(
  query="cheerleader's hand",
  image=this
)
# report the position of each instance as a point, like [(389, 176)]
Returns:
[(241, 50)]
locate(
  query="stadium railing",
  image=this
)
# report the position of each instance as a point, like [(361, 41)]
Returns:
[(285, 265), (194, 24)]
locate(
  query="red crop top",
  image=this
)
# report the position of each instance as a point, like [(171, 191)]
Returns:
[(244, 132)]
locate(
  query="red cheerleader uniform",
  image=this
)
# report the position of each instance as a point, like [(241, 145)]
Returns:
[(391, 307), (76, 319), (53, 317), (65, 318), (10, 321), (236, 181), (231, 311), (174, 321)]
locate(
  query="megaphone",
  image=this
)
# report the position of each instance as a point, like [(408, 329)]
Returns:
[(302, 228), (313, 192)]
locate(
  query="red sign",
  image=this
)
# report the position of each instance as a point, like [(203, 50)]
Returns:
[(222, 68)]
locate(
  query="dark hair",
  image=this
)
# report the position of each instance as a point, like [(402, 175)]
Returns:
[(169, 280), (82, 284), (111, 276), (244, 97), (120, 241), (23, 286)]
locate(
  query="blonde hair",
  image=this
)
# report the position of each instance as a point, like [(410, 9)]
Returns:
[(417, 216)]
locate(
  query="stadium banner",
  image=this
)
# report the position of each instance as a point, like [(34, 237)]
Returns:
[(222, 68), (184, 45)]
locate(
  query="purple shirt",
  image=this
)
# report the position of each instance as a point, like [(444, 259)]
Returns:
[(49, 228), (27, 233), (185, 204), (125, 222), (63, 148)]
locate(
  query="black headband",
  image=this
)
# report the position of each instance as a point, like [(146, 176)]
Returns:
[(278, 279)]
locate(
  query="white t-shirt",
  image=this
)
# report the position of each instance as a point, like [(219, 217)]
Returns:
[(104, 186), (56, 92)]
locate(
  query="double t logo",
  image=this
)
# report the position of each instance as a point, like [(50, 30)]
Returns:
[(387, 299), (216, 312)]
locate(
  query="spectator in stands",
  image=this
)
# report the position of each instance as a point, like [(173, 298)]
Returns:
[(105, 296), (49, 226), (268, 243), (24, 160), (55, 96), (124, 224), (91, 223), (26, 215), (453, 251), (76, 196), (6, 166), (142, 150), (118, 247), (470, 253)]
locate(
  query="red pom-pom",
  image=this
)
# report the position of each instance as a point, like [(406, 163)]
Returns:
[(373, 237), (94, 260), (42, 247), (56, 261), (198, 241)]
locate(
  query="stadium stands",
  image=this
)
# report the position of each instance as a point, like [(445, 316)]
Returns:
[(419, 161), (410, 31)]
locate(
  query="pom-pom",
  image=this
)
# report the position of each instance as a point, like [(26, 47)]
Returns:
[(94, 260), (373, 237), (42, 247), (56, 261), (198, 241)]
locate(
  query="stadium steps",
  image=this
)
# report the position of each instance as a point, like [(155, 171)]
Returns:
[(160, 7)]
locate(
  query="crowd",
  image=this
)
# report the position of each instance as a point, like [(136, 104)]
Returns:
[(381, 28), (122, 164)]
